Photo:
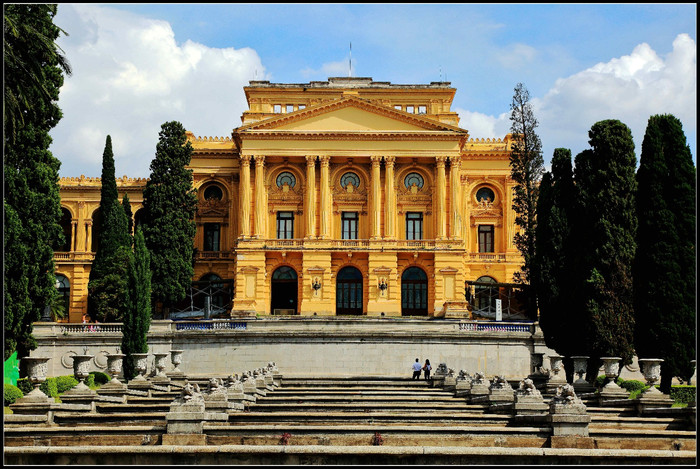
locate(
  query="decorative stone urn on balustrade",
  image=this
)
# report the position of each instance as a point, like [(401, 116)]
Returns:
[(81, 394), (160, 378), (557, 377), (114, 387), (581, 386), (34, 402), (140, 383), (611, 391), (176, 376), (652, 397)]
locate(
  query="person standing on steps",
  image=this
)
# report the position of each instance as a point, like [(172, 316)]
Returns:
[(416, 369), (426, 369)]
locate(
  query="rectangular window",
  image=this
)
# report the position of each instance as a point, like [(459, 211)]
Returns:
[(285, 225), (422, 110), (302, 106), (409, 109), (349, 225), (414, 225), (290, 108), (397, 107), (277, 108), (485, 238), (211, 236)]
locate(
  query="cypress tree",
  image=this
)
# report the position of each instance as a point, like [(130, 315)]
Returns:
[(137, 318), (170, 203), (664, 267), (32, 209), (126, 204), (108, 273), (553, 255), (605, 228), (527, 167)]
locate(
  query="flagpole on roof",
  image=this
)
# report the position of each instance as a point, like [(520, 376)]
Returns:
[(350, 69)]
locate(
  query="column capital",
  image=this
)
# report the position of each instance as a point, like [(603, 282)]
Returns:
[(440, 159), (310, 160), (259, 160), (390, 160), (376, 160), (245, 158), (324, 160)]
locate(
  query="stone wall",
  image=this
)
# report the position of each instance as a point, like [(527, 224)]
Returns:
[(311, 346)]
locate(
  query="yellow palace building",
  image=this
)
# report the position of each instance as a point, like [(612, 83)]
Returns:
[(340, 197)]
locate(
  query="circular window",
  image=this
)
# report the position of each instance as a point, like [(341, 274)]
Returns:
[(485, 194), (286, 178), (413, 179), (213, 192), (350, 178)]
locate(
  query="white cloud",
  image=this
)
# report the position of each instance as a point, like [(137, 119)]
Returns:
[(631, 89), (129, 77)]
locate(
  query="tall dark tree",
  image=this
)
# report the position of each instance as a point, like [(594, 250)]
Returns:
[(664, 268), (108, 273), (527, 168), (606, 226), (33, 76), (554, 256), (170, 203), (137, 318)]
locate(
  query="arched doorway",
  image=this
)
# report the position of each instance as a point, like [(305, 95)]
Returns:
[(348, 292), (414, 292), (284, 291), (61, 307), (485, 296)]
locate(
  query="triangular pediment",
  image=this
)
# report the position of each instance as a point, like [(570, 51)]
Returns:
[(349, 114)]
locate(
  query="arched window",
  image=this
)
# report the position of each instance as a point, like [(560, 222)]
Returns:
[(67, 227), (284, 273), (350, 178), (285, 177), (413, 179), (486, 194), (283, 287), (213, 192)]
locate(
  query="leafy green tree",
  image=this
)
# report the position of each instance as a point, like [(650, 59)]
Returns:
[(527, 168), (554, 255), (137, 318), (664, 267), (108, 274), (606, 226), (170, 203), (33, 76)]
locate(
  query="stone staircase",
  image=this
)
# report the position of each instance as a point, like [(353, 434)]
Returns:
[(364, 420)]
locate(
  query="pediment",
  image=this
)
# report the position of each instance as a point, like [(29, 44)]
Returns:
[(349, 114)]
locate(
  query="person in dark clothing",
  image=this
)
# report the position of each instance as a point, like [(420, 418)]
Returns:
[(426, 369)]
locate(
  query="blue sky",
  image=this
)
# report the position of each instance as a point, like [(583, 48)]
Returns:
[(137, 66)]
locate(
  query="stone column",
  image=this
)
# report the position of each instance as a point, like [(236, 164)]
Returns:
[(310, 206), (390, 198), (374, 207), (244, 197), (325, 222), (260, 205), (455, 198), (88, 236), (74, 236), (440, 195)]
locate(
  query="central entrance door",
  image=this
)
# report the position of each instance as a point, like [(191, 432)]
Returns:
[(348, 295), (284, 291), (414, 292)]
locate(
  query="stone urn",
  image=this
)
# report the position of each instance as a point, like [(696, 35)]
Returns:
[(115, 362), (160, 364), (140, 365), (37, 369), (651, 369), (176, 359), (611, 367), (537, 360), (557, 365), (81, 370), (580, 368)]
